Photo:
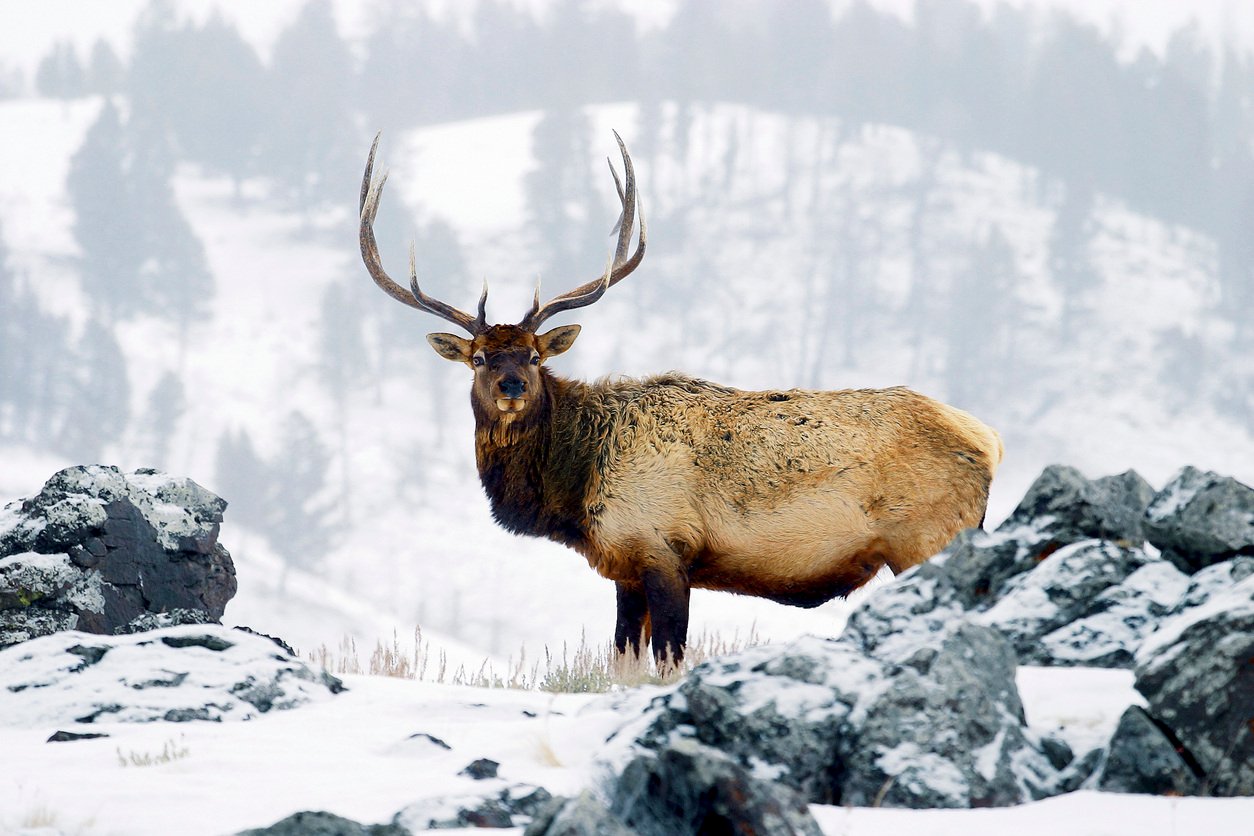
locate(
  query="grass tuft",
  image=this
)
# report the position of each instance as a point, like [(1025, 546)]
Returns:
[(586, 669)]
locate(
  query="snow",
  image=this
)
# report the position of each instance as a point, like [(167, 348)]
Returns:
[(1077, 814)]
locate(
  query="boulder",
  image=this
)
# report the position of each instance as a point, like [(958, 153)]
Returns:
[(1196, 673), (1201, 518), (101, 551), (194, 672), (321, 823), (511, 806), (1089, 603), (1061, 507), (935, 721), (1066, 507), (1141, 758), (582, 815), (690, 788)]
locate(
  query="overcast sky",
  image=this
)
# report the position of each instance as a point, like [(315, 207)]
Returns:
[(30, 27)]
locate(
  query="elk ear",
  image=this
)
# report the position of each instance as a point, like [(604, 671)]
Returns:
[(552, 343), (450, 347)]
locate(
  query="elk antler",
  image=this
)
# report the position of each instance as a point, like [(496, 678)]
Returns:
[(368, 206), (620, 266)]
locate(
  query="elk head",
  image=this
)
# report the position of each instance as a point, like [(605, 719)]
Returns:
[(505, 359)]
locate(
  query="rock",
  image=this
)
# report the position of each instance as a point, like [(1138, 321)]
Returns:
[(510, 807), (690, 788), (481, 769), (1217, 578), (947, 730), (1090, 602), (1201, 518), (321, 823), (1141, 758), (65, 736), (583, 815), (1118, 620), (100, 551), (195, 672), (1197, 676), (918, 723), (1062, 507), (1067, 508)]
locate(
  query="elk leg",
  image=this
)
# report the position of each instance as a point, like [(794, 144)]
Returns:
[(666, 590), (631, 633)]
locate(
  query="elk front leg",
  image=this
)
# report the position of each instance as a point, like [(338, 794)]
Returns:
[(666, 592), (631, 633)]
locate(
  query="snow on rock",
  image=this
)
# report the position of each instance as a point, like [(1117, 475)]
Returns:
[(1197, 675), (1201, 518), (190, 672), (97, 549), (932, 724)]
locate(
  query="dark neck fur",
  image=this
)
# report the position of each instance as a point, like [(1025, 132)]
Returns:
[(533, 470)]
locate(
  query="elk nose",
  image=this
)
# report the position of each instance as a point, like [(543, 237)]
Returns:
[(512, 387)]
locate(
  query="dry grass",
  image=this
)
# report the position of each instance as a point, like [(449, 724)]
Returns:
[(172, 751), (587, 668)]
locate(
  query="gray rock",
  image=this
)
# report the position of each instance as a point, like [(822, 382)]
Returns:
[(1197, 675), (1201, 518), (1079, 581), (99, 551), (1217, 578), (1141, 758), (689, 788), (583, 815), (509, 807), (931, 720), (947, 730), (1070, 508), (320, 823)]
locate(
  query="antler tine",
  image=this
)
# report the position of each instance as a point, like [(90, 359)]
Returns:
[(620, 265), (368, 206)]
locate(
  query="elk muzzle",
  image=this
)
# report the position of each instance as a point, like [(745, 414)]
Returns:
[(511, 393)]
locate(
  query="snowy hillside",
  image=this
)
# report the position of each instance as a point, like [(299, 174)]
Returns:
[(754, 294)]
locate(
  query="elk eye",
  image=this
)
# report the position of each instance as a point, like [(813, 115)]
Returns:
[(535, 359), (477, 360)]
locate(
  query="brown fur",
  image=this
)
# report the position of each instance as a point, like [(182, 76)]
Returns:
[(670, 482), (797, 496)]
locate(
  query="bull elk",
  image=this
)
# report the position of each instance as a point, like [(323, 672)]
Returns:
[(670, 482)]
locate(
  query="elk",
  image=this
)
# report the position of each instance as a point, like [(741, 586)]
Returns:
[(670, 482)]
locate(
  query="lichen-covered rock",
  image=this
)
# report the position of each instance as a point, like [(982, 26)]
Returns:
[(690, 788), (1201, 518), (196, 672), (1196, 673), (1141, 758), (97, 550)]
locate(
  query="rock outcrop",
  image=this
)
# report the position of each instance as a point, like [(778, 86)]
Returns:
[(104, 552)]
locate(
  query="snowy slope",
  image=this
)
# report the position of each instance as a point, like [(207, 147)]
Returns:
[(362, 755)]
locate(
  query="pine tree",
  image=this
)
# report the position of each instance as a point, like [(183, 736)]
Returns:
[(97, 408), (60, 74), (166, 404), (105, 72), (108, 223), (309, 141)]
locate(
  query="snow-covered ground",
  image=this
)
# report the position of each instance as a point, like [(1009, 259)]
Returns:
[(357, 755)]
